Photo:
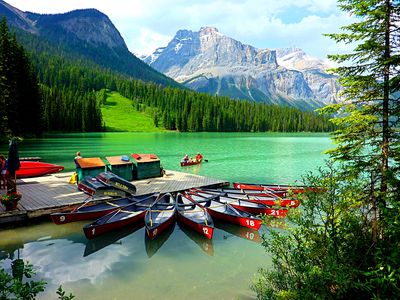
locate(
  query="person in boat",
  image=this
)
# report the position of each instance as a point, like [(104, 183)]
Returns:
[(185, 159), (199, 157), (3, 172)]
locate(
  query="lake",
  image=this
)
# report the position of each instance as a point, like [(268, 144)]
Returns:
[(179, 264)]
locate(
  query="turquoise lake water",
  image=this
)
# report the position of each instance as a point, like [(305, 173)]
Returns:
[(179, 264)]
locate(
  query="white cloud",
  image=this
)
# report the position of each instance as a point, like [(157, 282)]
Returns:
[(146, 25)]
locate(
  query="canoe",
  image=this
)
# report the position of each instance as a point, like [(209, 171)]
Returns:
[(120, 218), (264, 193), (258, 198), (194, 216), (94, 187), (117, 182), (226, 212), (37, 168), (90, 210), (251, 207), (153, 245), (269, 187), (190, 163), (160, 216)]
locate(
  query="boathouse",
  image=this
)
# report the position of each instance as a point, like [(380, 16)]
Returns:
[(121, 166), (91, 166), (146, 166)]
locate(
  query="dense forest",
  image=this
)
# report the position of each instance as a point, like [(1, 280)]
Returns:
[(66, 98)]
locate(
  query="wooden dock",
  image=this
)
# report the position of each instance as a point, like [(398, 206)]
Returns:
[(44, 195)]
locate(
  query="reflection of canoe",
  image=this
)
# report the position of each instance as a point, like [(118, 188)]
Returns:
[(37, 168), (240, 231), (152, 245), (109, 238), (90, 210), (251, 207), (259, 198), (194, 216), (269, 187), (204, 243), (190, 163), (226, 212), (160, 215)]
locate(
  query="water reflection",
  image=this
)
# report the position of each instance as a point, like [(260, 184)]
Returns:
[(152, 245), (204, 243), (110, 238), (239, 231)]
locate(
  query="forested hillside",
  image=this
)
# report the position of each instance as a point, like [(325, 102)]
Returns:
[(69, 82)]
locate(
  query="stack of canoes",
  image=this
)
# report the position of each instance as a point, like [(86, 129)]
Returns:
[(195, 208)]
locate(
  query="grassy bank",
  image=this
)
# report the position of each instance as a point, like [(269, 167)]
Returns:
[(119, 115)]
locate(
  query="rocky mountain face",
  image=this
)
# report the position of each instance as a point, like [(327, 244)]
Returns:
[(211, 62), (84, 34)]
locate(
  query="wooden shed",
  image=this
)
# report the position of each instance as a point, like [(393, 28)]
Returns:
[(146, 166), (121, 166), (90, 167)]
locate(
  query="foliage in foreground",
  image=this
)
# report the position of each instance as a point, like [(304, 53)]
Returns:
[(327, 251), (19, 285), (345, 241)]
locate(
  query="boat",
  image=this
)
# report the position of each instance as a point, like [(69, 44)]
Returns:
[(264, 193), (117, 182), (258, 198), (251, 207), (160, 216), (225, 211), (194, 216), (270, 187), (36, 169), (120, 218), (190, 162), (94, 187), (93, 210)]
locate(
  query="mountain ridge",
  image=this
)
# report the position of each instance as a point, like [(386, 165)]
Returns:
[(208, 61)]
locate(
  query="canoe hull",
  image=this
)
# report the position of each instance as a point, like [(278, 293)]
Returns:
[(63, 218), (36, 169), (252, 223), (190, 163), (278, 213), (91, 230), (205, 230), (154, 231)]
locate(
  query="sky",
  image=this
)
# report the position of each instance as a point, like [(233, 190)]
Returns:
[(148, 24)]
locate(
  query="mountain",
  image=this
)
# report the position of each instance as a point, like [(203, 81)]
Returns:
[(87, 35), (211, 62)]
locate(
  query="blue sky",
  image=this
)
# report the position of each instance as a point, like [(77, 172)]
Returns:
[(148, 24)]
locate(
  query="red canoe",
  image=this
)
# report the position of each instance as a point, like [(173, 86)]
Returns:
[(190, 163), (194, 216), (269, 187), (37, 168)]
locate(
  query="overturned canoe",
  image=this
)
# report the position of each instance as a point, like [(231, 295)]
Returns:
[(117, 182), (94, 187), (37, 168)]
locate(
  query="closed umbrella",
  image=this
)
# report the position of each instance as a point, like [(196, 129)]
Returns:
[(13, 162)]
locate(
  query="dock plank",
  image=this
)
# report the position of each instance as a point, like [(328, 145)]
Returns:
[(44, 195)]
